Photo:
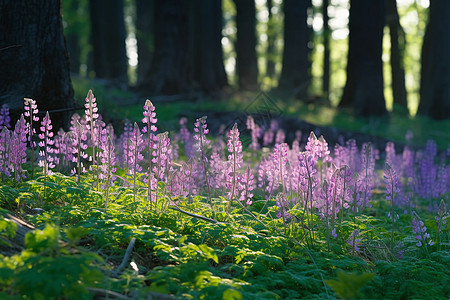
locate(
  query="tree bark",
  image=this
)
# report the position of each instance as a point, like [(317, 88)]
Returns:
[(398, 42), (246, 60), (364, 86), (33, 58), (294, 75), (207, 55), (145, 26), (326, 51), (108, 40), (169, 74), (270, 51), (435, 72)]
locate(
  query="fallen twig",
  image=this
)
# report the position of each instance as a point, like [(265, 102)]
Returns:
[(125, 258), (193, 215)]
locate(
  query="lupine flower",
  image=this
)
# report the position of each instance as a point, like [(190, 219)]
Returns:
[(420, 230), (441, 218), (46, 146), (135, 155), (150, 128), (91, 111), (427, 171), (79, 145), (268, 137), (235, 161), (280, 136), (63, 149), (161, 157), (280, 160), (318, 147), (392, 188), (186, 139), (31, 112), (5, 119), (107, 168), (18, 147), (246, 182), (124, 142), (201, 131), (354, 242), (5, 139), (255, 132)]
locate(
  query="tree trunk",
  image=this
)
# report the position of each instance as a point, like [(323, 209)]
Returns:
[(326, 51), (294, 75), (71, 32), (246, 60), (145, 26), (435, 72), (169, 74), (397, 51), (34, 58), (270, 51), (364, 86), (207, 55), (108, 40)]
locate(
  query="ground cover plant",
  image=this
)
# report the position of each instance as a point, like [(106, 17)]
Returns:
[(184, 215)]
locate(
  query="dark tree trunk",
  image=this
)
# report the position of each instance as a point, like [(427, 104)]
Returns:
[(108, 39), (33, 58), (397, 51), (207, 55), (72, 35), (270, 51), (294, 75), (326, 50), (435, 72), (169, 74), (246, 60), (364, 87), (145, 21)]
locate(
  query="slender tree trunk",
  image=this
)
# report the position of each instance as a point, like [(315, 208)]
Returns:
[(207, 55), (435, 72), (270, 51), (397, 52), (246, 60), (364, 87), (72, 34), (145, 26), (326, 51), (169, 72), (108, 39), (33, 58), (294, 75)]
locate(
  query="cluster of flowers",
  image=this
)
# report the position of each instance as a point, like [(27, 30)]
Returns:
[(319, 178)]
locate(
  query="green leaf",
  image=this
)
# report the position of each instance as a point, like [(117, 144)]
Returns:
[(348, 284)]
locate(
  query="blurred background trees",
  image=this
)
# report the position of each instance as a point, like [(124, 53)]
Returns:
[(365, 55)]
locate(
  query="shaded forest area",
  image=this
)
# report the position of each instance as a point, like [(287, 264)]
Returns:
[(371, 57), (294, 47)]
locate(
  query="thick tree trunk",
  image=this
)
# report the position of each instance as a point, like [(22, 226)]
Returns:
[(435, 72), (246, 60), (108, 39), (294, 75), (326, 50), (364, 87), (270, 51), (207, 55), (33, 58), (169, 74), (145, 26), (397, 51)]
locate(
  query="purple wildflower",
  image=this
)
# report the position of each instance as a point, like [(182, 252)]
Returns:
[(5, 139), (420, 230), (246, 187), (5, 119), (201, 131), (235, 160), (255, 132), (31, 111), (354, 242), (107, 168), (150, 128), (46, 146), (79, 145), (135, 156), (18, 148)]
